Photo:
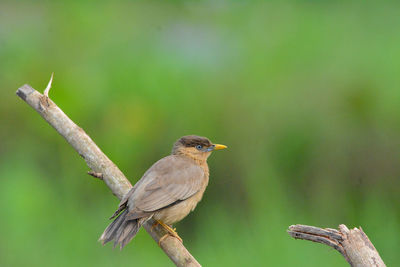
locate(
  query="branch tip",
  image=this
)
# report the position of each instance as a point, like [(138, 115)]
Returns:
[(46, 91)]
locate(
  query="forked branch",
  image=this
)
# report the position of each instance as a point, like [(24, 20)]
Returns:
[(353, 244)]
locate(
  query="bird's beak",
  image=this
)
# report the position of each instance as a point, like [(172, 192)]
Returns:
[(219, 147)]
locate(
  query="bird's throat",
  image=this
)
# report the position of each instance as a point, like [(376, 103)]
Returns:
[(201, 161)]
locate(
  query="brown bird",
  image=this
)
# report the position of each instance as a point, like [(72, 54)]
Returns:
[(167, 192)]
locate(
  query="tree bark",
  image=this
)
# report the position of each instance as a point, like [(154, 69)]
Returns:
[(353, 244), (101, 166)]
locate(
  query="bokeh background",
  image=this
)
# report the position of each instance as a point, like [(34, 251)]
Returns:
[(305, 94)]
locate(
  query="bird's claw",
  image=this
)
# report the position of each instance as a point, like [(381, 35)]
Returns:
[(171, 232)]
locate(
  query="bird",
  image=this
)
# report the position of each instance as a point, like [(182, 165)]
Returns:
[(167, 192)]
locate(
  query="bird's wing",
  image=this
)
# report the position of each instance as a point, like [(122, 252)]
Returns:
[(169, 180)]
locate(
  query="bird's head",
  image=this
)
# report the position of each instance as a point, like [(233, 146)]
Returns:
[(196, 147)]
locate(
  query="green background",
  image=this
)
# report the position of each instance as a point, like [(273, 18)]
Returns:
[(305, 94)]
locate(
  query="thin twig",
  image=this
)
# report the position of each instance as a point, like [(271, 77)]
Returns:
[(100, 163), (48, 87)]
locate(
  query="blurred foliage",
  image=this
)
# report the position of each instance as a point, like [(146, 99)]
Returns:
[(305, 94)]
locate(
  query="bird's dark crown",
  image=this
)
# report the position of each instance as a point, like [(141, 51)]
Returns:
[(194, 140)]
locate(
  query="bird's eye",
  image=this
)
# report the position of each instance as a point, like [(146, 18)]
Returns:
[(199, 147)]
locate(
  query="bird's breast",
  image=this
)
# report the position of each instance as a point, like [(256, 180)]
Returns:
[(177, 212)]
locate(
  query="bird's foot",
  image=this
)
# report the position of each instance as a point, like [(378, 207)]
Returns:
[(171, 232)]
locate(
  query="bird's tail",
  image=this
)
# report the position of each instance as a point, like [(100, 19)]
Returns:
[(121, 230)]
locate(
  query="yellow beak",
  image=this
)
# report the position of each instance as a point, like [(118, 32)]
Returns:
[(219, 147)]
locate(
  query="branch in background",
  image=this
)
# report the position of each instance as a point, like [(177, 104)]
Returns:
[(100, 165), (353, 244)]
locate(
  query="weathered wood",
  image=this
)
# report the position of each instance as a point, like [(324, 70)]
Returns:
[(353, 244), (100, 164)]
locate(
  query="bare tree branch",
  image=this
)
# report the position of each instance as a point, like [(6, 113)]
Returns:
[(99, 163), (353, 244)]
